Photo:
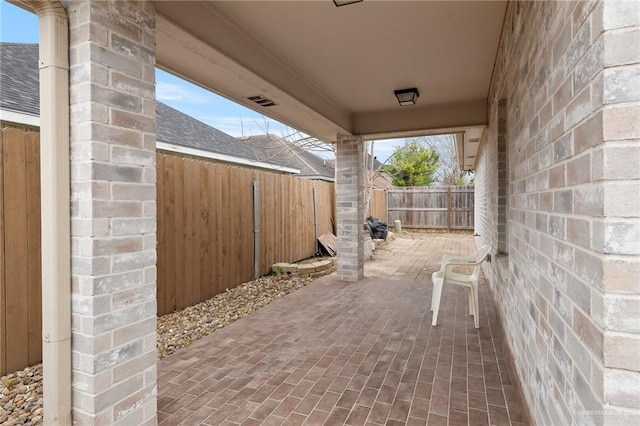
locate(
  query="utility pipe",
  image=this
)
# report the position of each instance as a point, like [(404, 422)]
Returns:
[(55, 208), (256, 229)]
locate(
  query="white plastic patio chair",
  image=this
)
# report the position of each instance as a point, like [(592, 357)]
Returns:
[(449, 274)]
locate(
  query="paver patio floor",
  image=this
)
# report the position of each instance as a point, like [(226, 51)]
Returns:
[(351, 353)]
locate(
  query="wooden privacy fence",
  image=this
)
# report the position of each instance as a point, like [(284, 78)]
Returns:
[(378, 204), (206, 226), (205, 234), (20, 270), (442, 207)]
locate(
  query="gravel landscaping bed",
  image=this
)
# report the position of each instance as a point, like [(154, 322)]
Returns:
[(21, 397), (21, 392), (180, 329)]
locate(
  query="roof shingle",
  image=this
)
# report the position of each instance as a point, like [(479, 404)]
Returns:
[(19, 92), (19, 78)]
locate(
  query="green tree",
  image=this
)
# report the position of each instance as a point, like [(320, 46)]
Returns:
[(413, 164)]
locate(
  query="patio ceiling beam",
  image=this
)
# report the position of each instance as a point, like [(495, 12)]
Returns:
[(418, 121), (219, 56)]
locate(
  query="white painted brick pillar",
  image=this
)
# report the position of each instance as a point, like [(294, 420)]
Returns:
[(113, 225), (350, 180)]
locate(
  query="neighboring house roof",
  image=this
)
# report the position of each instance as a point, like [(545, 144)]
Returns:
[(383, 180), (176, 128), (19, 82), (377, 165), (176, 131), (311, 166)]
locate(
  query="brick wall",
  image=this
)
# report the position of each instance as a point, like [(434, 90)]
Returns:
[(112, 95), (569, 288)]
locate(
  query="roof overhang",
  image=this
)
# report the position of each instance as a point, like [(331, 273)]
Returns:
[(19, 118), (330, 71), (191, 58), (467, 146), (318, 177)]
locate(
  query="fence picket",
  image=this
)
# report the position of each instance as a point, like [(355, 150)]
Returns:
[(179, 228), (34, 260), (3, 317), (170, 279), (188, 232), (16, 267)]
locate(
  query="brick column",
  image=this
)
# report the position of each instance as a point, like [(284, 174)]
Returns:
[(615, 131), (350, 172), (113, 225)]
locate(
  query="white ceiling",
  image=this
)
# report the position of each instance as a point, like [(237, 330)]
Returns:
[(333, 70), (358, 54)]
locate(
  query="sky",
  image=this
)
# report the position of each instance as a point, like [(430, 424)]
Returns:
[(19, 26)]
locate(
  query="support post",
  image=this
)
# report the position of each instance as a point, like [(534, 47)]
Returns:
[(350, 170), (114, 218), (256, 229), (386, 202), (448, 208), (315, 220)]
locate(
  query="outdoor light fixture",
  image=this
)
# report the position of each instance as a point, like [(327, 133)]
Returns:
[(339, 3), (407, 97)]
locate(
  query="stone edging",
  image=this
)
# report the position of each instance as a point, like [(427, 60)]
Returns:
[(306, 270)]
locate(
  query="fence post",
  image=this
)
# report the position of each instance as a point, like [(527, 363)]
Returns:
[(448, 208), (256, 229), (386, 204), (315, 220)]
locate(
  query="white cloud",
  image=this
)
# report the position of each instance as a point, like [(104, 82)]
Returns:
[(168, 92)]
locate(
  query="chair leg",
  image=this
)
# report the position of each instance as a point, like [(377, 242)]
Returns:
[(470, 299), (433, 297), (476, 307), (435, 300)]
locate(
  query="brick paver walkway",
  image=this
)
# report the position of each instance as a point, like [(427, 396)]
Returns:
[(337, 353)]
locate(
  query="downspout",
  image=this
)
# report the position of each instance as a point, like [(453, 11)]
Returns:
[(55, 208)]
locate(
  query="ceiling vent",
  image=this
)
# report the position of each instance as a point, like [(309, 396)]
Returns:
[(262, 101), (340, 3)]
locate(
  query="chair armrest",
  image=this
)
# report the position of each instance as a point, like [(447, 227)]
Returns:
[(447, 258), (448, 267), (463, 263)]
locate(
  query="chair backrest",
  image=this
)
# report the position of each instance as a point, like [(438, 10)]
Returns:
[(481, 255), (482, 252), (473, 261)]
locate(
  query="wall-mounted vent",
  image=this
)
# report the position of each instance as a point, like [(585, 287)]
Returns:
[(262, 101), (474, 140)]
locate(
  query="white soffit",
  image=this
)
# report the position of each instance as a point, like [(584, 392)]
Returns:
[(333, 70), (471, 146)]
